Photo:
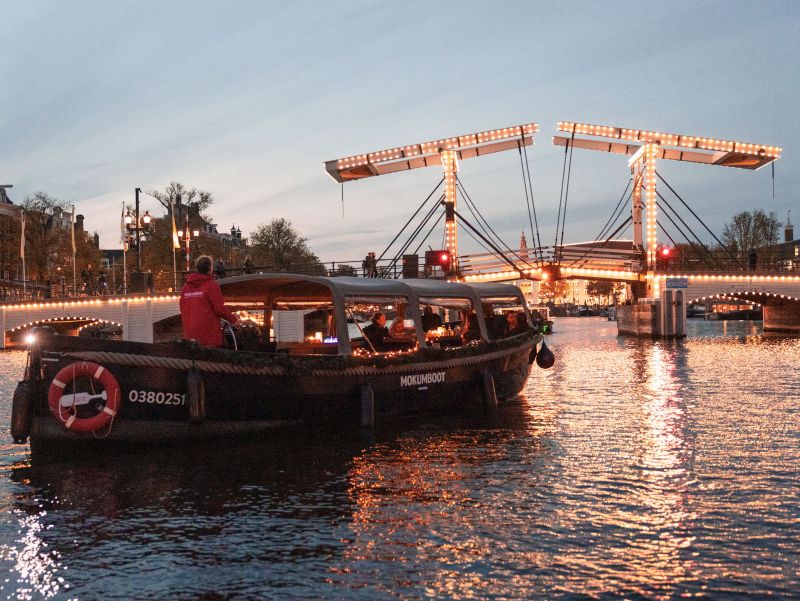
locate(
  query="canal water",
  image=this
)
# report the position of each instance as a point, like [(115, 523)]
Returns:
[(632, 469)]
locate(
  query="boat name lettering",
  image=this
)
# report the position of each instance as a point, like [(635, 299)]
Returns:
[(420, 379), (153, 397)]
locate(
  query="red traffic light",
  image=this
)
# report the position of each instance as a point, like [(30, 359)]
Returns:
[(665, 252), (444, 258)]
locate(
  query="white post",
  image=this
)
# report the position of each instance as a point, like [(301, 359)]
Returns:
[(450, 165), (124, 268)]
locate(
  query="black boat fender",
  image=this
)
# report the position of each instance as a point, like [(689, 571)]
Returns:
[(196, 395), (367, 397), (21, 413), (545, 357), (489, 393)]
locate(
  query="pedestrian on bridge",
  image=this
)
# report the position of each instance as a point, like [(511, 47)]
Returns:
[(752, 259)]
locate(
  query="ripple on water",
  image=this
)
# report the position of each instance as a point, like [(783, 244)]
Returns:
[(632, 469)]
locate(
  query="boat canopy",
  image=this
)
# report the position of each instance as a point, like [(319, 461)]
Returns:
[(262, 287)]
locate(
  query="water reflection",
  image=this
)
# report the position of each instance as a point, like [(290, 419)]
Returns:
[(36, 568), (632, 469)]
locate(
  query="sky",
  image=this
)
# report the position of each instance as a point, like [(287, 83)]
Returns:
[(248, 99)]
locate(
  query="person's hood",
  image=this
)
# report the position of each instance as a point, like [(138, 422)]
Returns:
[(195, 280)]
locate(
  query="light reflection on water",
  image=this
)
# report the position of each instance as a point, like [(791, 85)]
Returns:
[(632, 469)]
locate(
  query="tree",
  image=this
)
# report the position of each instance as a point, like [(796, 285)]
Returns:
[(179, 196), (599, 289), (751, 229), (48, 240), (345, 269), (553, 290), (277, 245)]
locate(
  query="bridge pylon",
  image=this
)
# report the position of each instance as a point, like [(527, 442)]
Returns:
[(644, 148)]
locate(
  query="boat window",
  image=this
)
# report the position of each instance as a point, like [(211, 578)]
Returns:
[(303, 327), (504, 316), (251, 335), (366, 313), (443, 320)]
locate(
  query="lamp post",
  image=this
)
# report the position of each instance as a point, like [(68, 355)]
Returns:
[(187, 236), (138, 228)]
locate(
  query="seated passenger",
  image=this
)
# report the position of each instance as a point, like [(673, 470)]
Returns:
[(377, 332), (514, 325), (398, 327), (471, 330), (430, 320)]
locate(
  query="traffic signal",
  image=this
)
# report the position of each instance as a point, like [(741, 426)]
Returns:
[(437, 258), (663, 257)]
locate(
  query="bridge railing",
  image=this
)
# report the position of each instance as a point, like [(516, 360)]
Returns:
[(114, 282), (716, 260)]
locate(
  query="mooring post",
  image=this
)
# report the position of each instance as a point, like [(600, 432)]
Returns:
[(489, 393), (367, 406)]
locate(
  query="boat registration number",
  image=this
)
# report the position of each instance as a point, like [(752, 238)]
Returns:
[(157, 398)]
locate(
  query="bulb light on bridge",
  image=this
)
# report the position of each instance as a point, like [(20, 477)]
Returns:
[(667, 139), (434, 146), (84, 303)]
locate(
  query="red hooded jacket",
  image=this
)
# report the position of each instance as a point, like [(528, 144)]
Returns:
[(202, 306)]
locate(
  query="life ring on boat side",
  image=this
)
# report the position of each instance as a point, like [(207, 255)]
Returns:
[(64, 406)]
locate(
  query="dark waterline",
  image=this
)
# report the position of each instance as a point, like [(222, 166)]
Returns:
[(632, 469)]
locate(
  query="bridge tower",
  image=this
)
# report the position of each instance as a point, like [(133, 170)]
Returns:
[(445, 152), (644, 148)]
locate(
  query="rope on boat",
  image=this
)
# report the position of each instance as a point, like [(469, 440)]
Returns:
[(174, 363), (129, 359)]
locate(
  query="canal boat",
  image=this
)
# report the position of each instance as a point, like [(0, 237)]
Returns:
[(299, 356)]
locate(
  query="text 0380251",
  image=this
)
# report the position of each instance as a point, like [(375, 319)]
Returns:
[(157, 398)]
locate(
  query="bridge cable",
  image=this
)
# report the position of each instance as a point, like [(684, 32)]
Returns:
[(561, 193), (682, 233), (481, 221), (566, 197), (686, 225), (538, 240), (666, 233), (490, 243), (417, 230), (527, 200), (385, 250), (708, 257), (697, 250), (621, 227), (481, 244), (612, 221), (430, 231), (469, 201), (700, 220), (413, 236), (620, 207)]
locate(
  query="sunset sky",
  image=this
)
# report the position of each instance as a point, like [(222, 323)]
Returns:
[(248, 99)]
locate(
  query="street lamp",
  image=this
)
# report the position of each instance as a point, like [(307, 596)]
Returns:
[(187, 236), (138, 228)]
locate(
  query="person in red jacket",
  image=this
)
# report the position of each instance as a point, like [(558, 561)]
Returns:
[(202, 306)]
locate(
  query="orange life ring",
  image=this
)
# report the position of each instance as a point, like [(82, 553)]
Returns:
[(110, 394)]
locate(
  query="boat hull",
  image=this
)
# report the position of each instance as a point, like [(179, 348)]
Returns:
[(244, 399)]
